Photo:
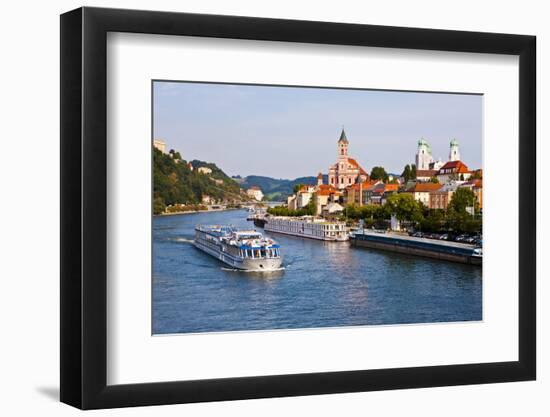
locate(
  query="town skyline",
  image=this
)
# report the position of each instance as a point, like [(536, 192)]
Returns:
[(269, 124)]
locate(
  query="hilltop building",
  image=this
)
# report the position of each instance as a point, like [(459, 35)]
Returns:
[(346, 170), (160, 145), (255, 192), (204, 170)]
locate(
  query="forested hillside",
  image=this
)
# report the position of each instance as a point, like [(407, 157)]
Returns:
[(175, 183)]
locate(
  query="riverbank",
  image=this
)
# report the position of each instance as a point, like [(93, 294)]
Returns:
[(177, 213)]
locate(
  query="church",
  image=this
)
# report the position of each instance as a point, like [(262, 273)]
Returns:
[(346, 171)]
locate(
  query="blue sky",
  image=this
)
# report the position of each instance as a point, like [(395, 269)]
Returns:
[(289, 132)]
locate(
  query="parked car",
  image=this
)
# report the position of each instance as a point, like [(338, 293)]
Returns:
[(418, 234), (444, 236)]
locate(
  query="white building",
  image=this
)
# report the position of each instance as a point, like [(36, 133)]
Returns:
[(454, 152), (423, 155), (160, 145), (204, 170), (255, 192)]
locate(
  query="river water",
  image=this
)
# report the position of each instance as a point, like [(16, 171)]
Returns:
[(324, 284)]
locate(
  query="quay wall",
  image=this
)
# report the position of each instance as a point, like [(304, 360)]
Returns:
[(428, 250)]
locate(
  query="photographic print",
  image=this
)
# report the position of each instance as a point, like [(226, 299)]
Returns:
[(295, 207)]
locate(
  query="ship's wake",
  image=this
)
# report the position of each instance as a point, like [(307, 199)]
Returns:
[(182, 240)]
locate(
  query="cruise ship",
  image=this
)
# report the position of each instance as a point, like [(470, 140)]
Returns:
[(241, 249), (308, 226)]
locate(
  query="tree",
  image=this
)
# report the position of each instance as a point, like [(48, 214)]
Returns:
[(158, 205), (461, 199), (413, 171), (404, 207), (297, 188), (476, 175), (407, 176), (434, 180), (433, 222), (379, 173)]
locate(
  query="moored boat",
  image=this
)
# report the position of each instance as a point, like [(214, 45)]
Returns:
[(308, 226), (240, 249)]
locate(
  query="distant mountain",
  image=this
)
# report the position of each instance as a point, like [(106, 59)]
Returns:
[(275, 189)]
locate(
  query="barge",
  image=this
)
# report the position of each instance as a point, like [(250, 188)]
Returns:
[(241, 249), (307, 226), (437, 249)]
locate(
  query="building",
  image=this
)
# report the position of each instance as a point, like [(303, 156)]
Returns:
[(476, 185), (254, 192), (454, 152), (424, 156), (379, 193), (291, 202), (324, 195), (190, 166), (425, 175), (453, 171), (160, 145), (346, 170), (421, 191), (355, 193), (206, 199), (332, 209), (204, 170), (440, 199)]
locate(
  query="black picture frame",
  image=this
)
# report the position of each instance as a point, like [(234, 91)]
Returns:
[(84, 207)]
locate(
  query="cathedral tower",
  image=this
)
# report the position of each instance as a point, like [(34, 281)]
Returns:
[(454, 152), (423, 155)]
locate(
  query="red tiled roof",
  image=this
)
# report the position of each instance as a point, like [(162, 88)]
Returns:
[(391, 187), (424, 187), (356, 165), (476, 183), (458, 166)]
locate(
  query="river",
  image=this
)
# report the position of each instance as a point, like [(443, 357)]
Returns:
[(324, 284)]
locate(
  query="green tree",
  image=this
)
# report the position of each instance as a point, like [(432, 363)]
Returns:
[(476, 175), (404, 207), (434, 180), (158, 205), (461, 199), (413, 171), (297, 188), (379, 173), (407, 175)]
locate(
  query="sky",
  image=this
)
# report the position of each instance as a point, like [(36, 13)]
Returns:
[(290, 132)]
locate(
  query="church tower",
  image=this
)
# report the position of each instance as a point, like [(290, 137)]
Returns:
[(454, 152), (423, 155), (343, 145)]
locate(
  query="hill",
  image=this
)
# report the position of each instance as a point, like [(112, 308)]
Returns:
[(274, 189), (175, 183)]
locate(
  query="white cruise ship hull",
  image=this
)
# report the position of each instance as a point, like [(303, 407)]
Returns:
[(221, 251), (306, 235), (318, 230)]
